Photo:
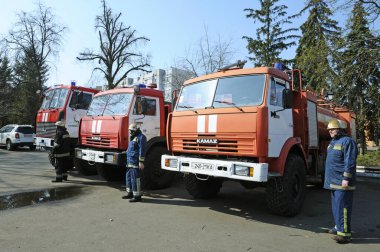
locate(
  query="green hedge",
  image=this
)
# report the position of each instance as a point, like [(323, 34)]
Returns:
[(371, 158)]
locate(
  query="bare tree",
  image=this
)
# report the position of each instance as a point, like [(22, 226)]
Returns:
[(207, 56), (36, 36), (118, 54)]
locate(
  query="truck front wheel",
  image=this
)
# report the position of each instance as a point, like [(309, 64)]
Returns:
[(285, 195), (202, 189), (153, 176)]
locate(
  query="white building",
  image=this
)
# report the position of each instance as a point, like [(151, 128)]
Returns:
[(166, 80)]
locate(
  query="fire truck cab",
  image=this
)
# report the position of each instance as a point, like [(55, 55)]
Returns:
[(66, 103), (257, 126), (104, 134)]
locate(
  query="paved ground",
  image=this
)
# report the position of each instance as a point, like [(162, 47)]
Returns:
[(169, 220)]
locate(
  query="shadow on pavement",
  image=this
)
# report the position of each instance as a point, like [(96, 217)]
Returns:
[(316, 214)]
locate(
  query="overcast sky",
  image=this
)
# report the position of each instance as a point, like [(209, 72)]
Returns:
[(171, 25)]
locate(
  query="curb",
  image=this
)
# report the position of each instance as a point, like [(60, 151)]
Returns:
[(368, 171)]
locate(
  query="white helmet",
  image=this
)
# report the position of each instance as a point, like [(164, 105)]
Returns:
[(133, 126), (60, 123)]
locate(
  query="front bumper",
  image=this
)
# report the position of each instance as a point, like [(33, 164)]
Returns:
[(44, 142), (257, 172), (103, 157)]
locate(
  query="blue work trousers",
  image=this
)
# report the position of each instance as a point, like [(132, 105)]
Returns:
[(341, 202), (132, 181)]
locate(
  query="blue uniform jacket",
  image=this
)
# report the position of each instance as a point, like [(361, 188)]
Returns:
[(136, 151), (341, 163)]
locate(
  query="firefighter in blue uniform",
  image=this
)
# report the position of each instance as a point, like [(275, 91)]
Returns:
[(135, 163), (61, 150), (340, 178)]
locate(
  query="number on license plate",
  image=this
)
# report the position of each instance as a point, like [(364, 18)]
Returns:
[(202, 166)]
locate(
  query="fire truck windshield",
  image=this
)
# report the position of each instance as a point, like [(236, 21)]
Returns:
[(235, 91), (110, 105), (55, 98)]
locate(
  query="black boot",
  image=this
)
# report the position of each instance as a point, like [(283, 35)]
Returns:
[(135, 199), (64, 178), (128, 196), (57, 180)]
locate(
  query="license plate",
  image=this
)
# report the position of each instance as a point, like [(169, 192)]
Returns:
[(91, 156), (202, 166)]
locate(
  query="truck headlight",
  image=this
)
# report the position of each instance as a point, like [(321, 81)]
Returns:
[(172, 163), (78, 154), (242, 170), (109, 158)]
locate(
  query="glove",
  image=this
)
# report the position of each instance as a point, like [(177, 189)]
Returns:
[(141, 165)]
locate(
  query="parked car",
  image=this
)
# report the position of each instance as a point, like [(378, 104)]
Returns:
[(14, 135)]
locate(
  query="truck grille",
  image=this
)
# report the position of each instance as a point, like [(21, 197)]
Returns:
[(227, 144), (97, 140), (46, 129)]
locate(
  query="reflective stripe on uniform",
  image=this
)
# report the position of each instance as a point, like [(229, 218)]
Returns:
[(343, 234), (347, 175), (62, 155), (132, 166), (342, 188), (138, 185), (66, 136), (141, 159)]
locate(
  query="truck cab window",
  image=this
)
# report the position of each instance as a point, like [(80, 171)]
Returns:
[(276, 93), (150, 109), (80, 100)]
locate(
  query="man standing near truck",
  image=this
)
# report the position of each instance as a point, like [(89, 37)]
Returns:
[(61, 150), (340, 178), (135, 163)]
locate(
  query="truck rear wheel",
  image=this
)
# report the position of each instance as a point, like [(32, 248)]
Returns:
[(110, 172), (285, 195), (153, 176), (84, 168), (202, 189), (51, 158)]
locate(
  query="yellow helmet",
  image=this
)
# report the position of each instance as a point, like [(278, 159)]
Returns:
[(334, 124), (133, 126)]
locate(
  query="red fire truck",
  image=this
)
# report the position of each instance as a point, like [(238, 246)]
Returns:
[(257, 126), (66, 103), (104, 135)]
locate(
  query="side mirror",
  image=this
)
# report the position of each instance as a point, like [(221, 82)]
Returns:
[(287, 98)]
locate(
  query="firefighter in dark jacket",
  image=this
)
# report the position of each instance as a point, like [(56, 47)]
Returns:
[(340, 178), (61, 150), (135, 163)]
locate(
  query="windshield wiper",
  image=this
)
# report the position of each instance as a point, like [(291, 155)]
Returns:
[(231, 103), (188, 107)]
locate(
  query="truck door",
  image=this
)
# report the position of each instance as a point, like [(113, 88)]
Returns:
[(77, 108), (280, 122), (150, 121)]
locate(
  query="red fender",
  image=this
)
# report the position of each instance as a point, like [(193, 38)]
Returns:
[(277, 165)]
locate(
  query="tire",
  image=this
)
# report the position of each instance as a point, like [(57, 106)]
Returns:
[(32, 147), (51, 157), (285, 195), (84, 168), (10, 146), (202, 189), (110, 172), (153, 176)]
